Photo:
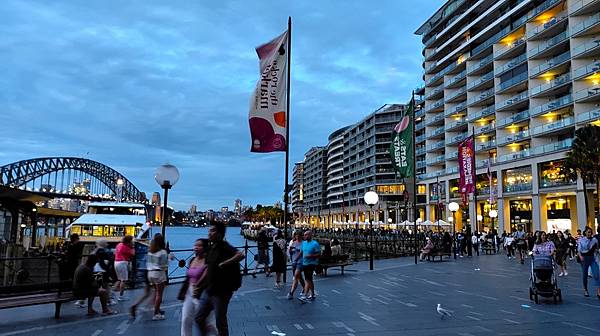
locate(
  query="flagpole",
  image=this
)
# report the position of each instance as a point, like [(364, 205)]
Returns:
[(287, 135), (475, 182), (414, 170)]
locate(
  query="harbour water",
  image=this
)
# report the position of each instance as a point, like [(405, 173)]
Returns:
[(184, 237)]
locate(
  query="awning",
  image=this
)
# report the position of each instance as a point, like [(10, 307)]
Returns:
[(57, 213)]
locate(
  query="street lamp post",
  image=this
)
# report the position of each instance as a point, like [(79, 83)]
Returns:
[(371, 198), (166, 176), (120, 183), (493, 214), (479, 220), (453, 207)]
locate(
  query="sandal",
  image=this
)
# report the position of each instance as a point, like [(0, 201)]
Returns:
[(110, 312), (586, 294)]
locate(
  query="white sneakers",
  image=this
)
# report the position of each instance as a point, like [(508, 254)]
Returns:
[(158, 317), (563, 274), (122, 298)]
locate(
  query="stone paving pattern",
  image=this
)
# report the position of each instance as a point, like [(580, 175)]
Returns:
[(489, 295)]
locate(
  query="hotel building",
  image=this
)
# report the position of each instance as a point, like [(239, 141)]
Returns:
[(521, 76)]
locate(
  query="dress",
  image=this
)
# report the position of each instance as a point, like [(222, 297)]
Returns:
[(279, 262)]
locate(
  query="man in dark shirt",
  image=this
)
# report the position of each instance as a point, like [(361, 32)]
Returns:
[(84, 286), (221, 280), (72, 252)]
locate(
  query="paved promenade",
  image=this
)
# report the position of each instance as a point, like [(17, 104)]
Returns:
[(489, 295)]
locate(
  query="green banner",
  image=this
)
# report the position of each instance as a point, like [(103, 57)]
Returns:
[(401, 148)]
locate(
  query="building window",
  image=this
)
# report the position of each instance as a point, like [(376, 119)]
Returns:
[(518, 179), (552, 174)]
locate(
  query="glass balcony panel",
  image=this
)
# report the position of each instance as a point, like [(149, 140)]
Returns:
[(513, 119), (589, 116), (495, 38), (504, 49), (548, 44), (481, 96), (512, 82), (592, 21), (435, 119), (486, 77), (551, 106), (511, 64), (483, 62), (587, 70), (516, 137), (456, 94), (558, 81), (581, 49), (482, 113), (487, 145), (554, 61), (458, 108), (567, 122), (456, 78), (550, 23), (513, 100), (592, 92)]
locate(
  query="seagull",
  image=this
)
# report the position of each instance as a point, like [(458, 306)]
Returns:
[(443, 312)]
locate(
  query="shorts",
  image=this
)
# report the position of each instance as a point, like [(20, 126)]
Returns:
[(521, 247), (297, 266), (85, 294), (157, 277), (263, 257), (308, 271), (122, 270)]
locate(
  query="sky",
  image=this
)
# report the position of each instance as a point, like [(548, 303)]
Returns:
[(135, 84)]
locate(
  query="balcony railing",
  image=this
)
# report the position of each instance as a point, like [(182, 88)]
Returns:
[(505, 49), (484, 128), (458, 138), (482, 96), (420, 138), (567, 122), (517, 187), (483, 62), (542, 8), (434, 91), (436, 119), (460, 76), (489, 42), (589, 116), (587, 93), (458, 93), (421, 164), (486, 77), (552, 147), (516, 137), (543, 27), (512, 82), (436, 132), (579, 4), (558, 81), (436, 146), (513, 119), (548, 44), (511, 64), (482, 113), (551, 106), (434, 106), (452, 156), (455, 124), (420, 151), (591, 21), (554, 61), (586, 47), (442, 73), (460, 107), (484, 163), (482, 146), (436, 160), (586, 70), (513, 100)]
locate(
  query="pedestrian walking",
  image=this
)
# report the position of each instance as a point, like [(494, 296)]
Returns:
[(587, 252), (509, 244), (222, 278), (124, 252), (543, 246), (521, 242), (475, 243), (572, 246), (279, 258), (262, 258), (295, 251), (562, 248), (193, 276), (311, 251)]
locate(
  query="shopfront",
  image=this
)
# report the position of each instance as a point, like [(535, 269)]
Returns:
[(520, 211)]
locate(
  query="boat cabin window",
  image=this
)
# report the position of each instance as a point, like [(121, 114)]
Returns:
[(104, 231), (119, 210)]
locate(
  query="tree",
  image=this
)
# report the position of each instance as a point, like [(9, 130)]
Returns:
[(583, 160)]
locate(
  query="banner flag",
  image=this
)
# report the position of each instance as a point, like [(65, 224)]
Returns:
[(490, 178), (401, 148), (466, 168), (268, 115)]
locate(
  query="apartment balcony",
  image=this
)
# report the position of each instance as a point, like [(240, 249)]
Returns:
[(420, 126), (481, 113), (436, 106), (461, 94), (420, 138), (554, 105), (490, 41), (484, 163), (485, 129), (513, 63), (589, 26), (482, 98), (587, 95), (514, 138), (485, 146), (452, 156), (420, 151), (478, 83), (585, 71), (516, 83), (515, 118), (421, 164), (515, 48), (540, 150), (561, 126), (436, 146), (550, 88), (434, 121), (514, 156), (440, 159), (458, 138), (515, 102), (544, 7), (589, 117), (457, 80), (547, 48), (436, 133), (435, 92), (551, 64), (589, 49), (481, 65), (435, 79), (517, 187), (549, 28), (460, 108), (419, 113), (457, 125), (582, 7)]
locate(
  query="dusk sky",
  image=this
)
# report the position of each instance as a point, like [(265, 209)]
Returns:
[(135, 84)]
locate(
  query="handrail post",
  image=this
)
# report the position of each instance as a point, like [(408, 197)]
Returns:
[(246, 258)]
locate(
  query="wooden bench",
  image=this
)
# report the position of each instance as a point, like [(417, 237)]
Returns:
[(439, 253), (332, 262), (32, 295), (489, 249)]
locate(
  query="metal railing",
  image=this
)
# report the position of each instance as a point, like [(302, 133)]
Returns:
[(554, 61)]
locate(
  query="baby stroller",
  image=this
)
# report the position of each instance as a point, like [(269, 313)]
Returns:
[(543, 279)]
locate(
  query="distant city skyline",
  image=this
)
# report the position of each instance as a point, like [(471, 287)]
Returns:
[(153, 83)]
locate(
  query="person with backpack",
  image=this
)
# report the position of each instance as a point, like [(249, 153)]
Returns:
[(223, 277)]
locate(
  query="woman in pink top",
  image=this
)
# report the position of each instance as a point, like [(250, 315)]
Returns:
[(194, 275), (123, 253)]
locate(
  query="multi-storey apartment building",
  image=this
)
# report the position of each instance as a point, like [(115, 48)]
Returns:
[(521, 76), (298, 190), (356, 160)]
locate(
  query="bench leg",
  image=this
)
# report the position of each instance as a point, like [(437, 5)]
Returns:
[(57, 310), (342, 270)]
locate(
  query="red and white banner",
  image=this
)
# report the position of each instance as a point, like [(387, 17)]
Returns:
[(466, 168), (268, 112)]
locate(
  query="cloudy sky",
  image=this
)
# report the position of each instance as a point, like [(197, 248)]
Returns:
[(134, 84)]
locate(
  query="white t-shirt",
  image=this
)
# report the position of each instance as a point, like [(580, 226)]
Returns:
[(474, 240), (158, 261)]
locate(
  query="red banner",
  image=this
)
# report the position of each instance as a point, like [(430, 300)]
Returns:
[(466, 162)]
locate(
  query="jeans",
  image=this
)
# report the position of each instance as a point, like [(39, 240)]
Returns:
[(589, 261), (188, 312), (219, 303)]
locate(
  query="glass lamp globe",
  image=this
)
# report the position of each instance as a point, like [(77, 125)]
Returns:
[(450, 219), (479, 218), (453, 206), (493, 213), (166, 175), (371, 198)]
